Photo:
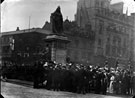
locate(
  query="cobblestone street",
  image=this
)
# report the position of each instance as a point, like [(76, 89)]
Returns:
[(10, 90)]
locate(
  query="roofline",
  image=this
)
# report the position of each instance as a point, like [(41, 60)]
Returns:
[(39, 30), (117, 3)]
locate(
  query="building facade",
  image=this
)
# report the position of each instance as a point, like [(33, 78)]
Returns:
[(23, 46), (114, 30)]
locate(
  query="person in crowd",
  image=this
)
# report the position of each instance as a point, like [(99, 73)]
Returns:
[(38, 74), (104, 82), (132, 84), (98, 78), (4, 71), (111, 82)]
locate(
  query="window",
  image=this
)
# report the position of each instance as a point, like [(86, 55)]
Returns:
[(114, 41), (19, 54), (107, 50), (75, 55), (108, 40), (114, 51), (6, 49), (97, 3), (119, 42), (26, 55), (76, 43), (99, 51), (124, 44), (99, 42), (89, 55), (101, 26), (132, 33), (102, 4)]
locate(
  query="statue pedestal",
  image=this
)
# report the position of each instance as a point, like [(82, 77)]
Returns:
[(58, 45)]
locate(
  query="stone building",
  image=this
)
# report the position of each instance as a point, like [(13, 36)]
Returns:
[(23, 46), (114, 30)]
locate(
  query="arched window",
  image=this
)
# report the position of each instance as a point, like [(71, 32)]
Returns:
[(97, 3), (101, 26), (119, 42), (108, 40), (76, 43), (114, 41), (99, 42), (102, 4), (107, 50)]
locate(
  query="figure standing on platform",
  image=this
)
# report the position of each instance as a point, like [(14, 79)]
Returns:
[(57, 21)]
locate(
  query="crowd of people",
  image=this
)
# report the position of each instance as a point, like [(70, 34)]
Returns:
[(81, 78)]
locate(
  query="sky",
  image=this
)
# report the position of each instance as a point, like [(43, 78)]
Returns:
[(17, 13)]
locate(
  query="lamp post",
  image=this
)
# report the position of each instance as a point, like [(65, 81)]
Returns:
[(0, 60)]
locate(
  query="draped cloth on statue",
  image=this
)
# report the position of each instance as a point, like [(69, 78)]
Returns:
[(57, 21)]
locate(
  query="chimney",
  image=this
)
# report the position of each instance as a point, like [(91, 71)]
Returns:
[(17, 29)]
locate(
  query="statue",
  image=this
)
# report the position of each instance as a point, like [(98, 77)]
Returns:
[(57, 21)]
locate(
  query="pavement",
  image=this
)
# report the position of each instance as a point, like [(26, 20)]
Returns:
[(15, 81), (13, 89)]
